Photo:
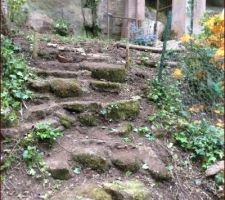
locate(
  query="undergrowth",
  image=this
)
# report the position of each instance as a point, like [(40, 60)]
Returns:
[(42, 133), (15, 76)]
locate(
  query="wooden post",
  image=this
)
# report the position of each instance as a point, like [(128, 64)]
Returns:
[(157, 16), (35, 46), (108, 19)]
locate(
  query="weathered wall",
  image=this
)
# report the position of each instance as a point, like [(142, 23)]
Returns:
[(69, 9), (116, 7)]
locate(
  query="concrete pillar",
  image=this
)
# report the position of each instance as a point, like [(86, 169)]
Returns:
[(199, 10), (181, 18), (133, 9)]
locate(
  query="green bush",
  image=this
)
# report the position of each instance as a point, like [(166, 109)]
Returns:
[(61, 27), (203, 80), (206, 142), (15, 76)]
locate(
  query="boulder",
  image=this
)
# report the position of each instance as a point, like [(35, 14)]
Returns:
[(39, 22)]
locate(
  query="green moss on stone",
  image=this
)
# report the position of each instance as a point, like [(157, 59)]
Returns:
[(114, 74), (65, 88), (80, 107), (88, 120), (92, 161), (66, 121), (105, 86), (61, 174), (123, 110)]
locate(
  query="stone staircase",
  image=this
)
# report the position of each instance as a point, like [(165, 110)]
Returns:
[(97, 104)]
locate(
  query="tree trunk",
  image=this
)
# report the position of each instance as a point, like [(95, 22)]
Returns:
[(4, 25)]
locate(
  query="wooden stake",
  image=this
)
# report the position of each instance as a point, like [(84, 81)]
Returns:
[(35, 46)]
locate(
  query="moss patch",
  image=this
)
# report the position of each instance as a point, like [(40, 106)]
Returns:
[(109, 73), (61, 174), (65, 120), (65, 88), (88, 119), (123, 110), (95, 192)]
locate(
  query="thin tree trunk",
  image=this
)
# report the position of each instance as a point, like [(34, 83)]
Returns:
[(4, 25)]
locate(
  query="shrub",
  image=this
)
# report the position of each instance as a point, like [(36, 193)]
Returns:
[(61, 27), (46, 133), (137, 36), (203, 63)]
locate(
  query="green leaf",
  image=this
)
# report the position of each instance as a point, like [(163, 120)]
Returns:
[(77, 170)]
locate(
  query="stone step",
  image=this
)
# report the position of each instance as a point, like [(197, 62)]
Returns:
[(116, 111), (18, 132), (100, 155), (116, 190), (61, 73), (41, 111), (88, 113), (60, 87), (109, 72)]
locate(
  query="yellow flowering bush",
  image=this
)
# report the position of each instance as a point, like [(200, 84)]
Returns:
[(203, 63)]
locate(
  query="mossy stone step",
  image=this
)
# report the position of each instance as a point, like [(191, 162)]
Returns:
[(60, 87), (109, 72), (117, 190), (122, 110), (82, 106), (41, 111), (106, 86), (93, 157)]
